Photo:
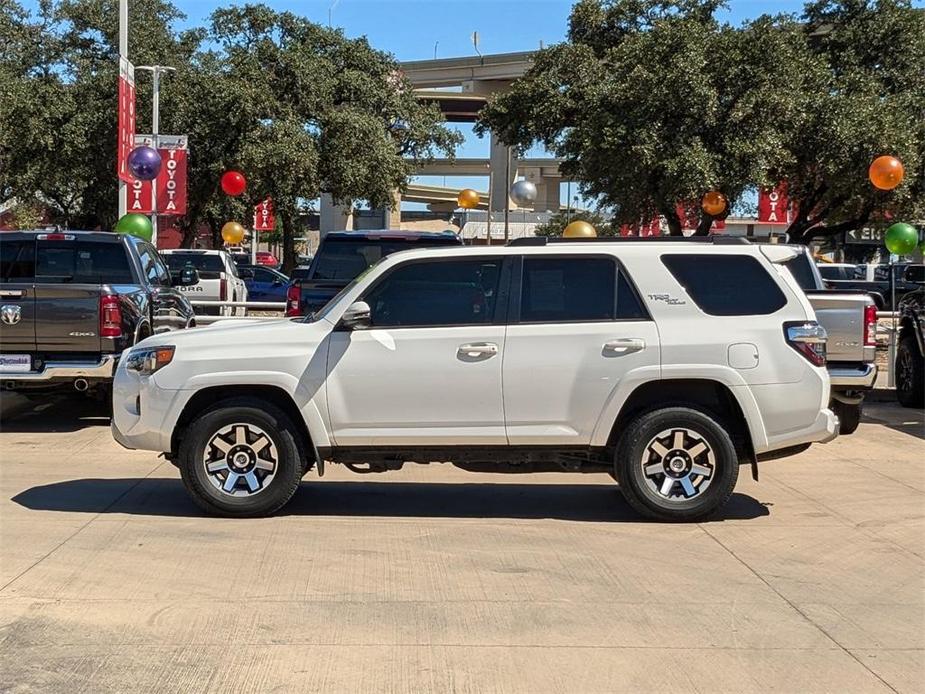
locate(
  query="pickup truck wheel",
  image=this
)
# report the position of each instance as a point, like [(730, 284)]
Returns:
[(910, 374), (241, 459), (849, 417), (676, 464)]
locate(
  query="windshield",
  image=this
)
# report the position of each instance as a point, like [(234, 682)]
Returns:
[(341, 259), (201, 261)]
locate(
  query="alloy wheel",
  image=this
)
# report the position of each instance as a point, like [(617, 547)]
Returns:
[(678, 464), (240, 460)]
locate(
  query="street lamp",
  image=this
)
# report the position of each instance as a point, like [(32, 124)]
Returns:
[(156, 72)]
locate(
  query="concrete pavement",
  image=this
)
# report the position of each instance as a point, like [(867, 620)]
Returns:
[(433, 579)]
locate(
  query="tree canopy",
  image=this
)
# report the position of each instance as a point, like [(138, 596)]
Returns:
[(299, 108), (653, 103)]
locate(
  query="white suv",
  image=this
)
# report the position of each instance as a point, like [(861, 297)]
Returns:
[(665, 364)]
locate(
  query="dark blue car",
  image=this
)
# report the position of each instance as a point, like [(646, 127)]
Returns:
[(264, 283)]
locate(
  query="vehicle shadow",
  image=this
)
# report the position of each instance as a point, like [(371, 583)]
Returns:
[(51, 413), (569, 502)]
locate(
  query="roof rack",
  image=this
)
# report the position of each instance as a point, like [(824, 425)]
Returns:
[(716, 240)]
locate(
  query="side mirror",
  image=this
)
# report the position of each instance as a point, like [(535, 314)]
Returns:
[(246, 274), (277, 282), (357, 316), (915, 274), (188, 277)]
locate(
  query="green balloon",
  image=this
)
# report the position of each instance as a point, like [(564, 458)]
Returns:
[(901, 238), (136, 225)]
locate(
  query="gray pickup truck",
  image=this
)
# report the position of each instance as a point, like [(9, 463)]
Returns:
[(850, 319), (71, 302)]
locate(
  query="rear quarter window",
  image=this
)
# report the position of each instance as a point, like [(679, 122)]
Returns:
[(726, 285)]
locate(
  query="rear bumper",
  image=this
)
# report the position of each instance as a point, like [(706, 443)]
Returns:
[(853, 377), (67, 371)]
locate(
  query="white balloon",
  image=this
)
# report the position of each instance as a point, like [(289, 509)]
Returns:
[(523, 192)]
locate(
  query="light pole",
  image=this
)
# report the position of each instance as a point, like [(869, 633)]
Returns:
[(123, 55), (156, 71)]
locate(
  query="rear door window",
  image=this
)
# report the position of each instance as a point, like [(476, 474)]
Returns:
[(726, 285), (17, 261), (576, 289)]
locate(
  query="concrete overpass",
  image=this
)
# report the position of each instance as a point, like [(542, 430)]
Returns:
[(461, 87)]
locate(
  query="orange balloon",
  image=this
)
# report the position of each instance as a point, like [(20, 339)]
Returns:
[(468, 199), (886, 172), (714, 203), (233, 233)]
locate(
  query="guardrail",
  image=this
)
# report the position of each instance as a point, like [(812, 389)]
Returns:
[(249, 305), (256, 305)]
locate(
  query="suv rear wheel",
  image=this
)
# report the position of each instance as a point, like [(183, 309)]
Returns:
[(910, 373), (676, 464), (241, 459)]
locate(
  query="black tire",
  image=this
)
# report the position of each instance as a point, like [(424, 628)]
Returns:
[(849, 417), (910, 373), (635, 455), (251, 413)]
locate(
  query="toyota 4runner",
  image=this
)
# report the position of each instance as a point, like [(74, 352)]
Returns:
[(666, 365)]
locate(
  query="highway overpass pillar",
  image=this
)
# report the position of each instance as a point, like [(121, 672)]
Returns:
[(500, 184), (334, 217)]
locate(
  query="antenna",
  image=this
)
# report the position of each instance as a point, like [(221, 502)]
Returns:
[(436, 43), (475, 43)]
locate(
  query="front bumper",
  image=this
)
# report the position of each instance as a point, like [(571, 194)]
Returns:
[(854, 377), (67, 370)]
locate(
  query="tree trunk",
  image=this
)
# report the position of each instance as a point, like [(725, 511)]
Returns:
[(704, 225), (674, 222), (289, 256)]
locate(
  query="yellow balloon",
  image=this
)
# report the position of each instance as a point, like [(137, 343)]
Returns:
[(468, 198), (579, 230), (232, 233)]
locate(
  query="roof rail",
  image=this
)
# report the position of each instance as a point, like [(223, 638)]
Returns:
[(545, 240)]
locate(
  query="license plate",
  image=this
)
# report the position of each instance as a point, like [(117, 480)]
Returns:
[(15, 363)]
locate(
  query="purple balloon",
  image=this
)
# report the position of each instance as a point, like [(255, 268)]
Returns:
[(144, 162)]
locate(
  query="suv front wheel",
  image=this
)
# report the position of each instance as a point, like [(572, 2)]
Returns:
[(676, 464), (241, 459)]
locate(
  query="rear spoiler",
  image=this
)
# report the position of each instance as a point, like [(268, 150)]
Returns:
[(779, 254)]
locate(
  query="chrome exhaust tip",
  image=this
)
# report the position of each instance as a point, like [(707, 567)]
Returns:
[(81, 385)]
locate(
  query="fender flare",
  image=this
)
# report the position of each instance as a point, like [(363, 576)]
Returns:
[(723, 375)]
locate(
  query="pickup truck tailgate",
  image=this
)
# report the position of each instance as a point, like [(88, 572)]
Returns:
[(842, 316), (69, 318)]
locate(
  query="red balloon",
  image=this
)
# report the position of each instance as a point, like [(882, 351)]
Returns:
[(233, 182)]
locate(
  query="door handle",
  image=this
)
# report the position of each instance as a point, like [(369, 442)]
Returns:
[(624, 346), (478, 349)]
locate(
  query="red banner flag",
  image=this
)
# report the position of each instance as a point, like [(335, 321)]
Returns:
[(126, 127), (171, 182), (773, 205), (264, 219)]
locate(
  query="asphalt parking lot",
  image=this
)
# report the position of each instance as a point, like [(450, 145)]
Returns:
[(434, 579)]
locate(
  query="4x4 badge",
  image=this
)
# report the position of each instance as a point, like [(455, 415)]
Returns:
[(11, 314)]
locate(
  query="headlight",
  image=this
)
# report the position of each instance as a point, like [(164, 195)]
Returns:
[(148, 360)]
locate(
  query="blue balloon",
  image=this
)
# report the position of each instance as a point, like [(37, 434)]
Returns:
[(144, 162)]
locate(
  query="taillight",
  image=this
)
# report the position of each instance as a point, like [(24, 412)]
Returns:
[(55, 237), (222, 290), (808, 339), (293, 299), (110, 316), (870, 326)]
